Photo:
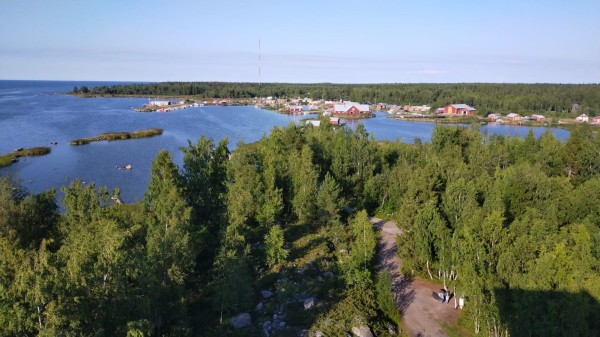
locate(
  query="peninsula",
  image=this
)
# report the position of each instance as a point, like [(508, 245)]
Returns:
[(13, 157)]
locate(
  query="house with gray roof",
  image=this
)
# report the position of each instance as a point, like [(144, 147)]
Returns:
[(459, 109)]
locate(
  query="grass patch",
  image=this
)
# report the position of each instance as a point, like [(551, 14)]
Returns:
[(110, 136), (13, 157)]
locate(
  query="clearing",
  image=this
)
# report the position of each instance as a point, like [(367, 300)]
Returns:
[(422, 314)]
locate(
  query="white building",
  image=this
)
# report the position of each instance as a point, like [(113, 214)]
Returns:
[(159, 103)]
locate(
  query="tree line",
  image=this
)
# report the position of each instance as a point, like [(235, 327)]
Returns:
[(486, 97), (510, 224)]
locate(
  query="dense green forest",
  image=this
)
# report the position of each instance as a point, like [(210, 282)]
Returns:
[(544, 98), (511, 224)]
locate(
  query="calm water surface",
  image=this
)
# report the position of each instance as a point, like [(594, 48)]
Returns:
[(34, 113)]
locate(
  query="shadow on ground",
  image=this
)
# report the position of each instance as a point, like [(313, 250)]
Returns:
[(548, 313)]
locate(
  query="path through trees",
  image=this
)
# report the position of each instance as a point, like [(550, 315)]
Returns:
[(422, 314)]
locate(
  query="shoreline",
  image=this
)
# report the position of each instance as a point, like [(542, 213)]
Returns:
[(565, 124)]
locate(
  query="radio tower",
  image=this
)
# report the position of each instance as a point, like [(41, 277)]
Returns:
[(259, 62)]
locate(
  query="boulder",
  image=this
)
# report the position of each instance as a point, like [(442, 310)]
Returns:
[(241, 320), (391, 329), (266, 328), (362, 331), (309, 303), (266, 293), (259, 306), (319, 334), (281, 324)]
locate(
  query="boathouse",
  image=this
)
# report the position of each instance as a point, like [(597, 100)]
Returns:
[(351, 108), (459, 109), (514, 117)]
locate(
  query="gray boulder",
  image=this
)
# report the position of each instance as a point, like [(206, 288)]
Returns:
[(259, 306), (266, 293), (362, 331), (266, 328), (309, 303), (241, 321)]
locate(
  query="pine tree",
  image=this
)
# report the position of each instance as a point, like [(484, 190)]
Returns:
[(275, 254)]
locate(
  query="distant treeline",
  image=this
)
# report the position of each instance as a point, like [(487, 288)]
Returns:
[(486, 97)]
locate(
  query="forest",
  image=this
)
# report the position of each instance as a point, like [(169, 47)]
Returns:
[(274, 238), (486, 97)]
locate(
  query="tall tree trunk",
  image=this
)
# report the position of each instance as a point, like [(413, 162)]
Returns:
[(39, 314), (429, 271)]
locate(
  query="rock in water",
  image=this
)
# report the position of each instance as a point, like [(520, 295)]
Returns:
[(241, 321), (362, 331)]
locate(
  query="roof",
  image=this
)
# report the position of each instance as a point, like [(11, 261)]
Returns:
[(512, 114), (348, 105), (463, 106)]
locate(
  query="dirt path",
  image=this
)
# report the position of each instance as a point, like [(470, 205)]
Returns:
[(422, 314)]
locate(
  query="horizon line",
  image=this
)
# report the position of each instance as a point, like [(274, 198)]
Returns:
[(300, 83)]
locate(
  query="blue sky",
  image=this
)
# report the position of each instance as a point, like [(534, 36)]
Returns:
[(302, 41)]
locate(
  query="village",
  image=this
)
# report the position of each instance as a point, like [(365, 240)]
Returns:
[(341, 110)]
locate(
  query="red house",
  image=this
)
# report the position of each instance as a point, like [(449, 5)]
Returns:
[(294, 109), (350, 108), (459, 109), (538, 118), (494, 117), (513, 117)]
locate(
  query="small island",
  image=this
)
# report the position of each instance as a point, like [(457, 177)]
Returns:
[(110, 136), (13, 157)]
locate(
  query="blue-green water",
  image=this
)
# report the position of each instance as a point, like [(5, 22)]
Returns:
[(35, 113)]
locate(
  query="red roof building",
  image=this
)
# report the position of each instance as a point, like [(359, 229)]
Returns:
[(459, 109), (351, 108), (295, 109), (514, 117)]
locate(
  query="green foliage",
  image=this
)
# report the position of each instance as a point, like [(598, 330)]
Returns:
[(512, 224), (275, 254), (385, 297), (232, 281), (9, 158), (364, 241)]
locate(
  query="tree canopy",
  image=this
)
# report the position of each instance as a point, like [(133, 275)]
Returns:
[(512, 225)]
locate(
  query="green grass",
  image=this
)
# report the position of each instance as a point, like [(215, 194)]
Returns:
[(110, 136), (9, 158)]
